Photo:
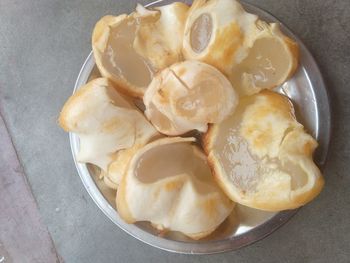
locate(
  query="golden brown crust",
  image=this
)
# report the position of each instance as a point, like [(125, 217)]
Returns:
[(229, 45), (208, 205), (64, 117), (155, 40), (294, 203), (306, 197), (196, 4), (294, 50), (201, 235), (297, 197), (122, 205), (100, 38), (120, 84), (206, 139), (207, 142), (225, 187), (101, 28)]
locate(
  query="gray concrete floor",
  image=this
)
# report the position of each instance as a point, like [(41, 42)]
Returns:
[(43, 44)]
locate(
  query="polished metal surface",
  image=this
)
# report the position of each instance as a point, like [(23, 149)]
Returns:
[(308, 93)]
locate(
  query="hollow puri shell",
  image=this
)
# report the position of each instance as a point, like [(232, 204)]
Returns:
[(105, 122), (160, 40), (129, 49), (271, 60), (169, 184), (253, 54), (218, 32), (262, 157), (112, 41), (187, 96)]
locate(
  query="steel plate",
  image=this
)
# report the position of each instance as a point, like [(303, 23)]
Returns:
[(307, 91)]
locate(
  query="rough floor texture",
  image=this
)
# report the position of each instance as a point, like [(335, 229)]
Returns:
[(23, 236), (43, 44)]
